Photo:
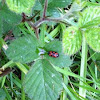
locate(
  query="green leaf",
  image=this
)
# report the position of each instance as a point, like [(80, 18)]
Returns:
[(17, 31), (7, 27), (59, 3), (54, 12), (37, 5), (62, 60), (20, 6), (52, 6), (90, 17), (43, 82), (2, 94), (9, 16), (8, 19), (72, 40), (92, 36), (23, 49)]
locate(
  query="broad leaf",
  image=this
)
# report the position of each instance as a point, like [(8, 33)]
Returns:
[(62, 60), (7, 27), (8, 19), (37, 5), (43, 82), (20, 6), (72, 40), (52, 6), (92, 36), (17, 31), (23, 49), (90, 17), (59, 3), (54, 12), (2, 94), (9, 16)]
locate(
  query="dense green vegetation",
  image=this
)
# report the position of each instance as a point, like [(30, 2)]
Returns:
[(49, 50)]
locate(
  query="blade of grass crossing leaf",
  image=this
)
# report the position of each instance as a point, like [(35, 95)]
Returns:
[(53, 33), (22, 67), (49, 37), (30, 30)]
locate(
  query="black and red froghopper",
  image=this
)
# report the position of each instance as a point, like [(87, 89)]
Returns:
[(53, 54)]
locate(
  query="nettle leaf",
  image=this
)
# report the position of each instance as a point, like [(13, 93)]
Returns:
[(37, 5), (20, 6), (72, 40), (54, 12), (90, 17), (7, 27), (2, 94), (17, 31), (8, 19), (59, 3), (92, 36), (23, 49), (62, 60), (9, 16), (52, 6), (43, 82)]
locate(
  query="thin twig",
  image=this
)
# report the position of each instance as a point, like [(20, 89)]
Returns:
[(39, 22), (37, 32), (42, 20), (45, 8), (34, 27)]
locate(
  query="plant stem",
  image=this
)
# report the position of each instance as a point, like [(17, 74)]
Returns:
[(45, 8), (83, 68)]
